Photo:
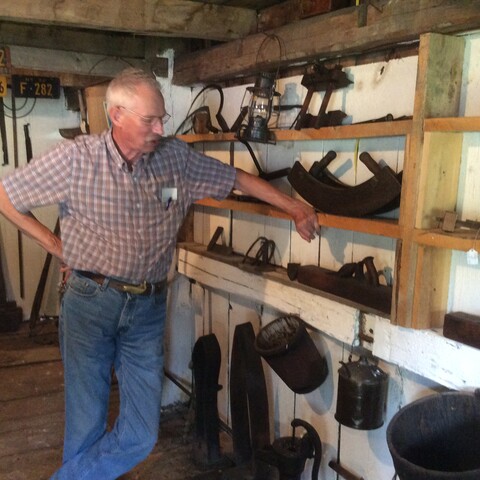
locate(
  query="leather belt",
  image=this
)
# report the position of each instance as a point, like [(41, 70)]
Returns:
[(143, 288)]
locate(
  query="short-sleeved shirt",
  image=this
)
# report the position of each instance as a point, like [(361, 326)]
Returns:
[(113, 221)]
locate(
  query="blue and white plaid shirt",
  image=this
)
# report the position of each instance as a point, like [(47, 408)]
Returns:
[(115, 222)]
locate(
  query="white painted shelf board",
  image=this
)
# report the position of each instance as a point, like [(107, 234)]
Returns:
[(424, 352), (336, 320)]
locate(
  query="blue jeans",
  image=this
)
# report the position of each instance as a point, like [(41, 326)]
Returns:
[(101, 328)]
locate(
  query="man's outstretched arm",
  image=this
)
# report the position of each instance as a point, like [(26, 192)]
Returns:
[(304, 216)]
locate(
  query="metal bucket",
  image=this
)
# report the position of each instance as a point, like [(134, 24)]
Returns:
[(287, 347), (437, 438)]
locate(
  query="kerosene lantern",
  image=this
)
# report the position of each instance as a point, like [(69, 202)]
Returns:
[(259, 110)]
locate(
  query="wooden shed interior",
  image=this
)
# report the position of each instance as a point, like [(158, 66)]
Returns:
[(428, 338)]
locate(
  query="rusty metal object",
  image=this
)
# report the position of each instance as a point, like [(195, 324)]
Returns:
[(214, 247), (450, 222), (351, 282), (37, 299), (329, 195), (321, 78), (342, 471)]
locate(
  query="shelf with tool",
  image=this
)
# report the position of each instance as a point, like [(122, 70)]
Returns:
[(431, 186), (357, 208), (433, 152), (375, 226), (451, 233)]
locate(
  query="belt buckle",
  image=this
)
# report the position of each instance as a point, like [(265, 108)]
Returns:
[(135, 289)]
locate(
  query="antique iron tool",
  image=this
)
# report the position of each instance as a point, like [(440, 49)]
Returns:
[(355, 281), (321, 78), (329, 196), (289, 454)]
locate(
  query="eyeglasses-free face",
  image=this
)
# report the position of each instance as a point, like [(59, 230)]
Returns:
[(148, 121)]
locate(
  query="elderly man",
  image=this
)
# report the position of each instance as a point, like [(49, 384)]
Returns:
[(122, 196)]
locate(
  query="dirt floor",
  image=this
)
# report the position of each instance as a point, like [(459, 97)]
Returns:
[(31, 416)]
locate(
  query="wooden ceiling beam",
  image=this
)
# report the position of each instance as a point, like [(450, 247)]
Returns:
[(182, 18), (72, 39), (348, 31), (67, 79)]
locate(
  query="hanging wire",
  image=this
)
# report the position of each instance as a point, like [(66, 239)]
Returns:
[(190, 113), (280, 42), (95, 65), (23, 115), (18, 108)]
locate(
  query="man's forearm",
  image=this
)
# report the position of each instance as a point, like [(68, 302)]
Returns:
[(29, 225), (304, 216)]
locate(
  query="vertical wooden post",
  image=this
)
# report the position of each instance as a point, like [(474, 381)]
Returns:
[(430, 174)]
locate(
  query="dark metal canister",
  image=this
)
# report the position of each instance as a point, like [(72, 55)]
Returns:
[(287, 347), (362, 395)]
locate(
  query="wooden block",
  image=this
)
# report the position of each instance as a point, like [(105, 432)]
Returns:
[(97, 115), (317, 7), (462, 327)]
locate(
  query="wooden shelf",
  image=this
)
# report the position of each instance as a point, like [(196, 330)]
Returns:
[(384, 227), (452, 124), (361, 130), (462, 240), (339, 319), (433, 150)]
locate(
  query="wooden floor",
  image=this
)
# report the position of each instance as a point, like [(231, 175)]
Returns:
[(31, 415)]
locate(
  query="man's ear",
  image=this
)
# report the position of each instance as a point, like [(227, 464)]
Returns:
[(115, 115)]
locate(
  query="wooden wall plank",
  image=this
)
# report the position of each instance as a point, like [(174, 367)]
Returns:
[(86, 41), (437, 95), (328, 36)]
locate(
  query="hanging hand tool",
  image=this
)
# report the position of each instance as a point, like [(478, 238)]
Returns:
[(19, 233), (37, 300), (317, 79), (3, 133), (28, 142)]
